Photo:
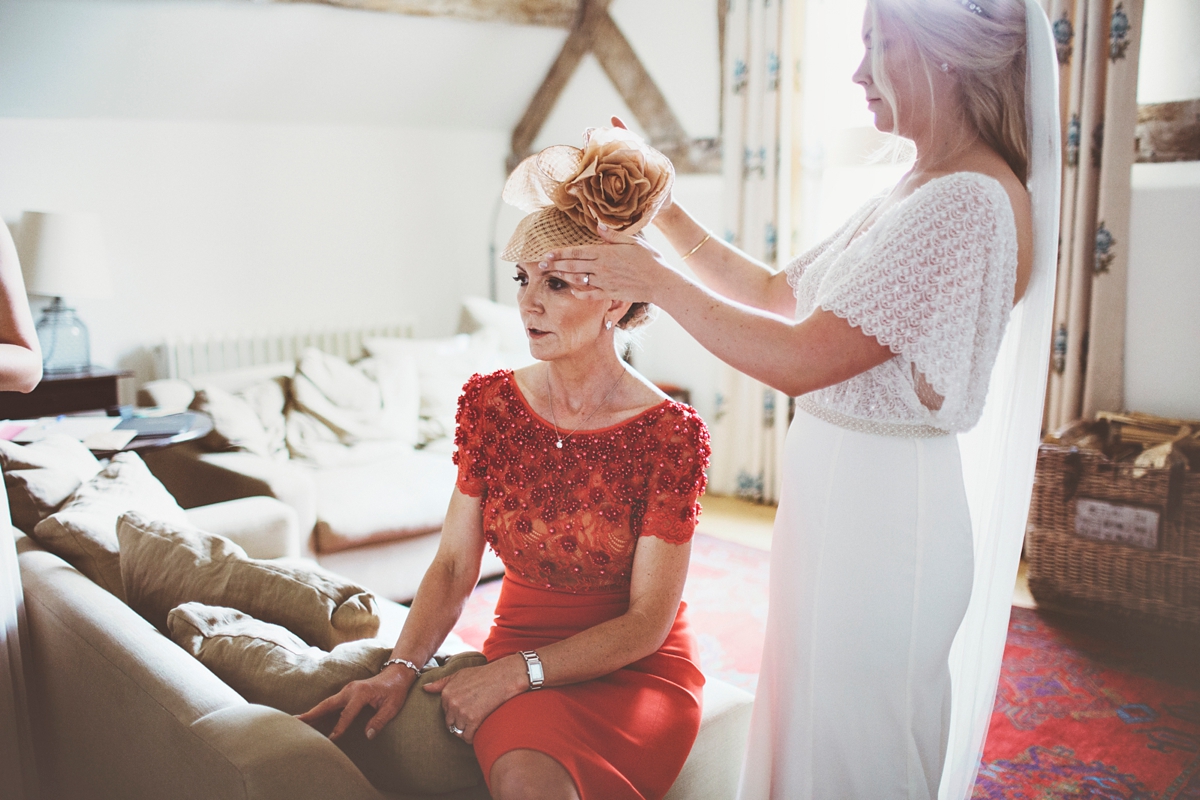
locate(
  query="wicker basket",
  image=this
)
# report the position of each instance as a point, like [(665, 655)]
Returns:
[(1128, 461)]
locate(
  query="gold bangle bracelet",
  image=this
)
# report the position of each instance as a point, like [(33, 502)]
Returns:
[(692, 252)]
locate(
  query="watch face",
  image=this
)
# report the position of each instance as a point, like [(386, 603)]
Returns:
[(535, 673)]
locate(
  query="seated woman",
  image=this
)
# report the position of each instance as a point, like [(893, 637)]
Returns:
[(584, 479)]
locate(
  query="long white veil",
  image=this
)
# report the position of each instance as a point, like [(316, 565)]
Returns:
[(1000, 452)]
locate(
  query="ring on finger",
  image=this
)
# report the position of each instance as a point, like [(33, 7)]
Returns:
[(587, 279), (457, 731)]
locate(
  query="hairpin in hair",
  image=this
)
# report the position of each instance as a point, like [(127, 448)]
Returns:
[(974, 8)]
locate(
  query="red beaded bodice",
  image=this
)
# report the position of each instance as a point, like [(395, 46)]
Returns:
[(570, 519)]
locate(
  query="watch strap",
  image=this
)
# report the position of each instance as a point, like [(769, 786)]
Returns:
[(533, 666)]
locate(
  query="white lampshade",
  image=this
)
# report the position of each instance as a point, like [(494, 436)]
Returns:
[(63, 255)]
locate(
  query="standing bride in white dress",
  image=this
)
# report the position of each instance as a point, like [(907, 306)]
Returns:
[(890, 546)]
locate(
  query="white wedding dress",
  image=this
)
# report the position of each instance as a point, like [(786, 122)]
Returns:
[(871, 562)]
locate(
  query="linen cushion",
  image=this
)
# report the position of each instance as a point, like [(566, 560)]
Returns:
[(402, 496), (166, 564), (367, 401), (479, 313), (39, 477), (443, 366), (270, 665), (83, 530), (251, 419)]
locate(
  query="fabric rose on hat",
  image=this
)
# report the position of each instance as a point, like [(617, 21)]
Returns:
[(616, 179), (621, 182)]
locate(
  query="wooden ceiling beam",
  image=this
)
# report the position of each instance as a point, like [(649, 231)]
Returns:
[(1168, 132), (548, 13), (595, 31), (578, 44), (637, 88), (592, 30)]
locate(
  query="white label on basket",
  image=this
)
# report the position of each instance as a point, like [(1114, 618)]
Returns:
[(1109, 522)]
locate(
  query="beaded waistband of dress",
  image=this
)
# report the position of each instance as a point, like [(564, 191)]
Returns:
[(877, 427)]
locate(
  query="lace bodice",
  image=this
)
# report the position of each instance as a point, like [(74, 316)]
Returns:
[(570, 519), (933, 279)]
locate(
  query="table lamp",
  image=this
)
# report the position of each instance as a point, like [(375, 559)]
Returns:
[(63, 255)]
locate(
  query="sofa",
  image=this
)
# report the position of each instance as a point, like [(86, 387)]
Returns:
[(121, 712), (360, 451)]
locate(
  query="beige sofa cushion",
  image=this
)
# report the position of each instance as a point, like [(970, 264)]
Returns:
[(480, 314), (84, 530), (337, 403), (269, 665), (251, 419), (443, 366), (394, 498), (39, 477), (165, 564)]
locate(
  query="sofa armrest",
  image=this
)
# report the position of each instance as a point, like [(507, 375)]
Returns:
[(197, 477), (715, 763), (262, 526), (278, 757)]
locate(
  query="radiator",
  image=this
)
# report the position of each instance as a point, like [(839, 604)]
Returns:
[(183, 358)]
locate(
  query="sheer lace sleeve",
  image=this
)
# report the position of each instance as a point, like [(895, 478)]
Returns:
[(935, 283), (677, 479), (795, 268), (469, 435)]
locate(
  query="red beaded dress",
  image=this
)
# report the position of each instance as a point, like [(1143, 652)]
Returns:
[(566, 523)]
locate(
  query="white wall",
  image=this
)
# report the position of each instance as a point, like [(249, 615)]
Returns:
[(1162, 330), (266, 166), (1169, 64), (1162, 334), (222, 227)]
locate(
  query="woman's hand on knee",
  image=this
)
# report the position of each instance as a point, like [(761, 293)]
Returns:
[(385, 693), (470, 695)]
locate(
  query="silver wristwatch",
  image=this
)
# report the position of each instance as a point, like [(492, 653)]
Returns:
[(537, 676)]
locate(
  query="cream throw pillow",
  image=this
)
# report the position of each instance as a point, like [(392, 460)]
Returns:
[(165, 564), (34, 494), (39, 477), (250, 420), (84, 530), (365, 401), (269, 665), (443, 366)]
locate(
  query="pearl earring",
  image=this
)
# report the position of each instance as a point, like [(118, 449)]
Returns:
[(945, 67), (608, 324)]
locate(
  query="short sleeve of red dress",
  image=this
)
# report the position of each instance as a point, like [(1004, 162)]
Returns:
[(677, 477), (469, 433)]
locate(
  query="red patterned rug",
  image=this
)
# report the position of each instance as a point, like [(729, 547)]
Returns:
[(1084, 713), (1079, 713)]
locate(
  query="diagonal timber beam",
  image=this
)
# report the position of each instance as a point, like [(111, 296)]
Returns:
[(592, 30), (596, 32), (551, 13), (578, 43)]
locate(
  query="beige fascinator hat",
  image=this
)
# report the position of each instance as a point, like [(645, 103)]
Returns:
[(616, 179)]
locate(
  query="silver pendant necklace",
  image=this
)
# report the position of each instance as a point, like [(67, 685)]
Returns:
[(550, 397)]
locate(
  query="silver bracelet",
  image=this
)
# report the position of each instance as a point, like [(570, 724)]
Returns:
[(403, 661)]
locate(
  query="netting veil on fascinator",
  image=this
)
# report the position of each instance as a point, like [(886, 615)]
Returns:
[(616, 179)]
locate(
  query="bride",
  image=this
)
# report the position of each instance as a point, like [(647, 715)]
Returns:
[(892, 334)]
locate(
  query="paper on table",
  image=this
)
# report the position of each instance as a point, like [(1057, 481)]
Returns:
[(76, 427), (108, 440)]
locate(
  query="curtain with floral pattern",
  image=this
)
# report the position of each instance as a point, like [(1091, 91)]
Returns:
[(751, 419), (1097, 43)]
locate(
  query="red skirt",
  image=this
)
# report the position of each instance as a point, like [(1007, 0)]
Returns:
[(624, 735)]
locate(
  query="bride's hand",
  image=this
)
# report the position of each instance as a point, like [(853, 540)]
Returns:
[(626, 268)]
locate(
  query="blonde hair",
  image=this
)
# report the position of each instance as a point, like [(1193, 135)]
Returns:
[(986, 52)]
